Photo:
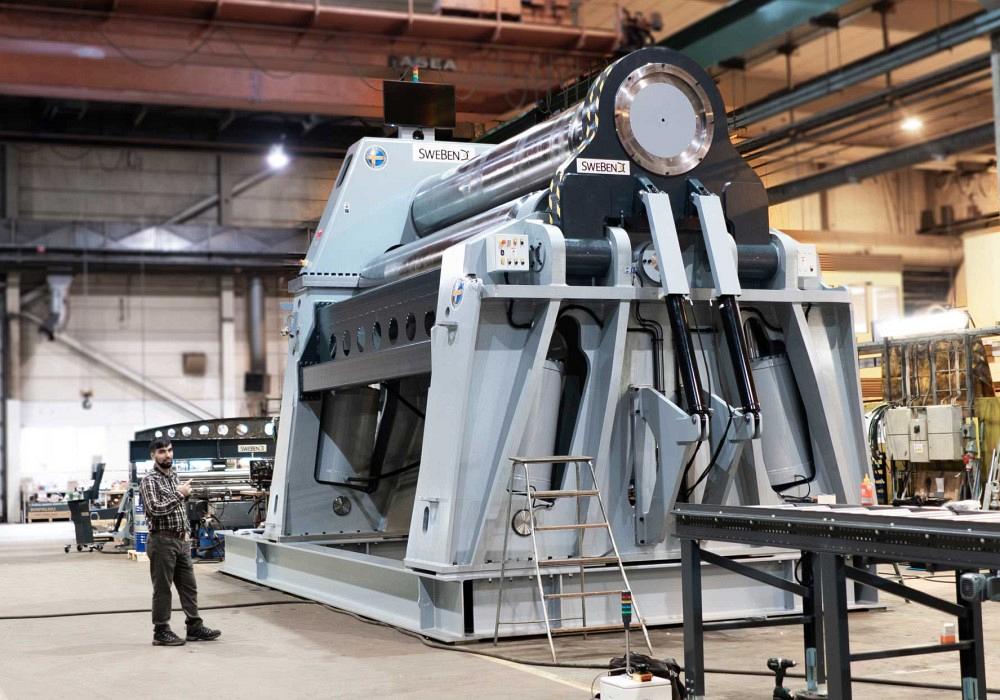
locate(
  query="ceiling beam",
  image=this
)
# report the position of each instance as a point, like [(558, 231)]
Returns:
[(119, 80), (746, 19), (936, 149), (208, 65), (914, 16), (919, 47), (123, 245), (742, 26), (888, 96), (316, 17)]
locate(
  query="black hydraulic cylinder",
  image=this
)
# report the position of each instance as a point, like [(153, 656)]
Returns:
[(684, 352), (585, 256), (729, 312)]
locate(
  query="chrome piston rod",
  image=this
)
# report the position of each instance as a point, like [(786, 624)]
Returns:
[(425, 253), (514, 168)]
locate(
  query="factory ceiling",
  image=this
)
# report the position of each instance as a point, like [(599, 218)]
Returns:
[(235, 74)]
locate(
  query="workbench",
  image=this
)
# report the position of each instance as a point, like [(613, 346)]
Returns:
[(841, 543)]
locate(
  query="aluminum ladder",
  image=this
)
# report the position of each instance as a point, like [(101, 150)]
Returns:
[(531, 497)]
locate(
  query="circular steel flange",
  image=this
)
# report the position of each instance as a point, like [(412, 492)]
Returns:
[(647, 263), (521, 523), (664, 119), (342, 505)]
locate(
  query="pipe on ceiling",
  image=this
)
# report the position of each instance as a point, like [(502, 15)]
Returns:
[(888, 96), (323, 17), (255, 325), (935, 41), (936, 149), (140, 380)]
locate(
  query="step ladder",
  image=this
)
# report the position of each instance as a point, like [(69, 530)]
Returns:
[(531, 497)]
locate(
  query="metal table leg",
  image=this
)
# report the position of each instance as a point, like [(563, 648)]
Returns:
[(971, 660), (694, 640), (812, 629), (836, 634)]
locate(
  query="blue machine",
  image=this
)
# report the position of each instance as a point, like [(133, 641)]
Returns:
[(209, 544)]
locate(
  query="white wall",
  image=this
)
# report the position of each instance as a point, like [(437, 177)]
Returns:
[(149, 186), (888, 205), (145, 323), (982, 251)]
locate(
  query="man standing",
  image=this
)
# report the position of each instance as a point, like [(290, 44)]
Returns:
[(169, 548)]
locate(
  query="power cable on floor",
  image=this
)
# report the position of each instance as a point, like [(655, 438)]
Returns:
[(552, 664), (854, 679), (86, 613), (465, 650)]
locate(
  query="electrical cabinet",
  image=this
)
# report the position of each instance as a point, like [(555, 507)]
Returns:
[(924, 433), (897, 434), (944, 432)]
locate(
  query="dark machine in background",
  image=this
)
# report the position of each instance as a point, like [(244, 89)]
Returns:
[(228, 462)]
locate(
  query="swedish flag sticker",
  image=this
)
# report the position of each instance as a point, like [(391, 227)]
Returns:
[(457, 292), (376, 157)]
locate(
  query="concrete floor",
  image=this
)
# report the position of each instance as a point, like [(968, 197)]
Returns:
[(298, 649)]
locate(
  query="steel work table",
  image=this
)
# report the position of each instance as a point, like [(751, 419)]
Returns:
[(841, 543)]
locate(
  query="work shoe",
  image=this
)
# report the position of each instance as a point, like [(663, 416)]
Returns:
[(202, 634), (166, 638)]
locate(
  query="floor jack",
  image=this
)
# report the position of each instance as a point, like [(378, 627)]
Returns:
[(635, 683)]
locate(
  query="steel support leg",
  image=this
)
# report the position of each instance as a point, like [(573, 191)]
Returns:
[(973, 659), (863, 593), (694, 633), (836, 634), (812, 629)]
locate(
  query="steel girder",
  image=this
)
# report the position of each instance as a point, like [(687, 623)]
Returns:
[(935, 149), (932, 42), (729, 32), (121, 244), (886, 97)]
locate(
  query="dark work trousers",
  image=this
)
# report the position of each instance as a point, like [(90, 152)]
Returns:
[(170, 562)]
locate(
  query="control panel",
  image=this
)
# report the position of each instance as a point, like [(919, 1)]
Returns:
[(508, 253)]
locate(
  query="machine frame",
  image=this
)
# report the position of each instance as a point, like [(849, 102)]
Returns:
[(417, 367)]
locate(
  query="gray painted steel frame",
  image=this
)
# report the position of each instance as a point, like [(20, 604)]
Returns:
[(462, 608), (400, 513), (417, 582)]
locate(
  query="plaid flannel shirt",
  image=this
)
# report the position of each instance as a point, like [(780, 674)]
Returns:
[(164, 506)]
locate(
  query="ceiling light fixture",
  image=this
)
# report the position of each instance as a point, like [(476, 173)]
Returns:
[(277, 158), (912, 124)]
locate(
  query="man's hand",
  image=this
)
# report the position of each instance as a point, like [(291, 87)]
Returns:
[(185, 489)]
